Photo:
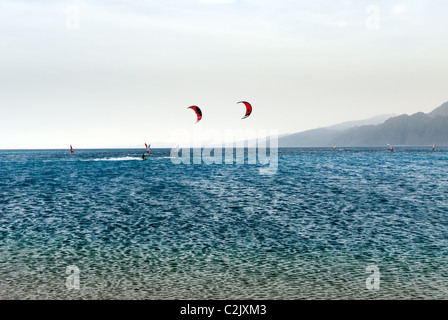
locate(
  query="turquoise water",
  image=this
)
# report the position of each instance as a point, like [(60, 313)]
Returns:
[(155, 230)]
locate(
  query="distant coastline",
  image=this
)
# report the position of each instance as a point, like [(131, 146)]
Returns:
[(419, 129)]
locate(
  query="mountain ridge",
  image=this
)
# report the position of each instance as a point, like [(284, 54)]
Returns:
[(416, 129)]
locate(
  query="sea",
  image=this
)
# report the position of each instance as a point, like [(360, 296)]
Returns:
[(350, 223)]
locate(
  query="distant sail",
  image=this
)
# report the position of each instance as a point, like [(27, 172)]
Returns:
[(71, 149), (390, 148), (334, 147), (433, 147), (174, 151), (147, 148)]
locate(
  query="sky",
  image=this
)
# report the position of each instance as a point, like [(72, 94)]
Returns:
[(99, 74)]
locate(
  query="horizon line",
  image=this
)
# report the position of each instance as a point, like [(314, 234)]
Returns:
[(288, 147)]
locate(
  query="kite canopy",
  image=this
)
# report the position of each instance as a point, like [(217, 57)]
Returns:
[(248, 108), (198, 112)]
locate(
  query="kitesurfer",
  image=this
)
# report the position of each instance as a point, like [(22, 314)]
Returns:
[(143, 157)]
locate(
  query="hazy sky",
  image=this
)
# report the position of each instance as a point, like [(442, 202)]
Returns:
[(120, 73)]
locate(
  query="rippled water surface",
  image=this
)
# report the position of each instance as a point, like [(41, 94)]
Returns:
[(155, 230)]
